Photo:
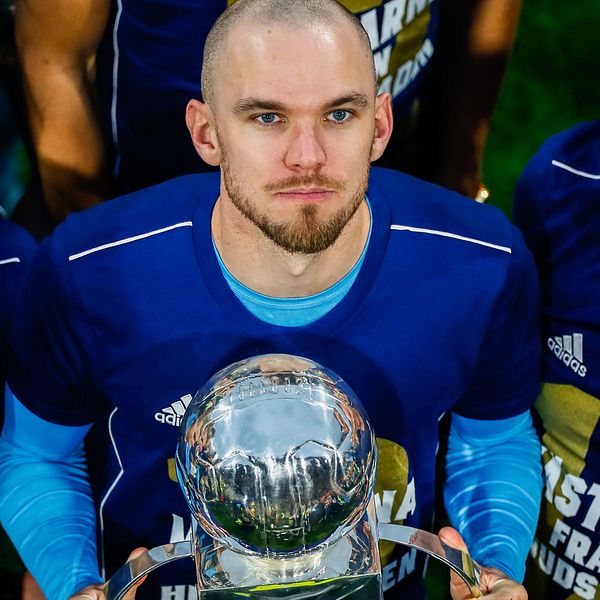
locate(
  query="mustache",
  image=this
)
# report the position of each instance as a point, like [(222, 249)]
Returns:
[(308, 181)]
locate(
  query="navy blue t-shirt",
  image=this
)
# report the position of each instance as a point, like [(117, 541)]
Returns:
[(16, 251), (558, 208), (128, 314)]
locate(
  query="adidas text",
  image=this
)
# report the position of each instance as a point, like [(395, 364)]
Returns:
[(172, 415), (566, 357)]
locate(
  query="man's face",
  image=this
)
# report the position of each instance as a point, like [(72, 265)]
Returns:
[(295, 121)]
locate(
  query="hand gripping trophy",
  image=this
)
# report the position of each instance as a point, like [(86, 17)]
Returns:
[(277, 460)]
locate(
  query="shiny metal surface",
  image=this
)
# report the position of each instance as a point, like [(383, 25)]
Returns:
[(355, 554), (276, 456), (277, 461), (253, 571), (460, 562), (129, 574)]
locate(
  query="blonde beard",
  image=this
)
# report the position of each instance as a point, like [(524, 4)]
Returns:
[(307, 234)]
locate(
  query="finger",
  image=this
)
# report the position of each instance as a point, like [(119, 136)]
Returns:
[(130, 595), (92, 592), (458, 588), (506, 589), (451, 537), (137, 552), (30, 589)]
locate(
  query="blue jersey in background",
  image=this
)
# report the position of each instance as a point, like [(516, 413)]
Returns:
[(558, 208)]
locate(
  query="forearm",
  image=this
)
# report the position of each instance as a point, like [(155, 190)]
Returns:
[(47, 511), (493, 488), (68, 144), (58, 73), (477, 40), (46, 502)]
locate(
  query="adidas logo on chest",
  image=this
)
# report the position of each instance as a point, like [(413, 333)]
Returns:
[(172, 414), (569, 350)]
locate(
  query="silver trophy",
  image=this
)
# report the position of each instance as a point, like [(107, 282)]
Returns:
[(277, 459)]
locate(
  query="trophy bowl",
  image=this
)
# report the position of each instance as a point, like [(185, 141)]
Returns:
[(276, 456)]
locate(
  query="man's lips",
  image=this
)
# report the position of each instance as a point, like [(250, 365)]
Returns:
[(305, 194)]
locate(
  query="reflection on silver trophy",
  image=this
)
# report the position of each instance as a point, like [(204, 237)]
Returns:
[(276, 458)]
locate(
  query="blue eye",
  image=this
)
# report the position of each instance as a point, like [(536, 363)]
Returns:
[(268, 118), (339, 115)]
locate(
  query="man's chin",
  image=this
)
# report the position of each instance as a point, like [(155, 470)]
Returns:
[(305, 241)]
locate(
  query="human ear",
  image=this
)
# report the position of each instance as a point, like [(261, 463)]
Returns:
[(201, 125), (383, 125)]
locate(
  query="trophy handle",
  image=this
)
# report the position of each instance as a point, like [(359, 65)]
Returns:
[(459, 561), (129, 574)]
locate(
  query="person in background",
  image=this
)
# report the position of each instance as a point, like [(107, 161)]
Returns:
[(557, 206), (422, 300), (107, 83)]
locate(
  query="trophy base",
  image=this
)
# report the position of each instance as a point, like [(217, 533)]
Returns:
[(356, 587)]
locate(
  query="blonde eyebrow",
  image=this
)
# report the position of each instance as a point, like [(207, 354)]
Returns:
[(251, 104), (246, 105), (357, 99)]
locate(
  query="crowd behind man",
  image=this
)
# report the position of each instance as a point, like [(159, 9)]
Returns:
[(124, 72)]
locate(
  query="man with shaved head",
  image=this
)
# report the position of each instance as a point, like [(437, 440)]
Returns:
[(424, 302)]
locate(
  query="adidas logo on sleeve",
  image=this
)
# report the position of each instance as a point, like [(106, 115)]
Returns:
[(569, 350), (173, 414)]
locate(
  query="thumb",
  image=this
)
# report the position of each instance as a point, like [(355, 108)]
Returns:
[(137, 552), (458, 588), (450, 536), (130, 595)]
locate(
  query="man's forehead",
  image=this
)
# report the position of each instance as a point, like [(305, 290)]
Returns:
[(270, 61), (323, 35)]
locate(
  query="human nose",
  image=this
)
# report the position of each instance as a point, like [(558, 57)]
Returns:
[(305, 149)]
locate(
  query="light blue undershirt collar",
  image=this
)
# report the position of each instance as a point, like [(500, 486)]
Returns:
[(295, 312)]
